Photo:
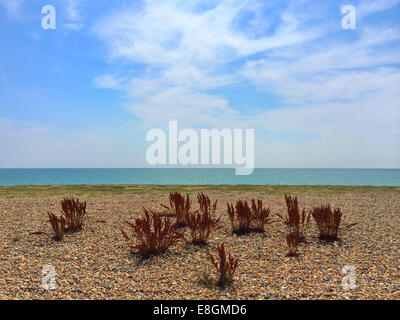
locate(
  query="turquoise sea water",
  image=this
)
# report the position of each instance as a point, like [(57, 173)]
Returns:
[(355, 177)]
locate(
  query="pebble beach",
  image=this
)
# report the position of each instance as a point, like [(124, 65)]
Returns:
[(96, 262)]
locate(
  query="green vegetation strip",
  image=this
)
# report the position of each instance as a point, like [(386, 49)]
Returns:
[(98, 190)]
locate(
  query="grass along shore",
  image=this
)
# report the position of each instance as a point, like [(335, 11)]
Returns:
[(98, 190)]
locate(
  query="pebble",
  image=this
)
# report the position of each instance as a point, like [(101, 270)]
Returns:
[(96, 263)]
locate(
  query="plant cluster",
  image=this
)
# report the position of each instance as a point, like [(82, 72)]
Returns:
[(74, 213), (328, 222), (298, 222), (225, 265), (292, 241), (202, 223), (260, 216), (152, 234), (179, 207), (245, 219), (58, 224), (72, 219)]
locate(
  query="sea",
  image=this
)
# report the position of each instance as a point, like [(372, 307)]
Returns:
[(200, 176)]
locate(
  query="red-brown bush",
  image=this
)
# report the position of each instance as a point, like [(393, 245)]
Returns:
[(206, 205), (179, 207), (260, 216), (202, 223), (240, 217), (58, 224), (292, 240), (245, 219), (296, 221), (225, 265), (152, 234), (74, 212), (328, 222)]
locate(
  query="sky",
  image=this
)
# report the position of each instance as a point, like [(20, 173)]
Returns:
[(85, 94)]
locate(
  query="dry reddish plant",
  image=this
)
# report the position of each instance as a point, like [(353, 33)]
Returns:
[(301, 224), (179, 207), (38, 232), (58, 224), (293, 213), (225, 266), (240, 216), (202, 224), (152, 234), (260, 215), (245, 219), (74, 212), (292, 240), (328, 222), (205, 204), (296, 221)]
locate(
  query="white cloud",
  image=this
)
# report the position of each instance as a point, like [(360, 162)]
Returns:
[(341, 96), (338, 90), (367, 7), (73, 26), (13, 6), (191, 109), (185, 50), (173, 32), (73, 15), (106, 82)]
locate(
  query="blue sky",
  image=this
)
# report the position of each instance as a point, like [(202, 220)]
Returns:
[(85, 94)]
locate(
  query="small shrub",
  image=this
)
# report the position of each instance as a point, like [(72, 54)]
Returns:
[(296, 221), (260, 216), (292, 240), (58, 224), (152, 234), (179, 207), (202, 223), (240, 217), (225, 266), (293, 212), (205, 204), (74, 212), (328, 222), (245, 219)]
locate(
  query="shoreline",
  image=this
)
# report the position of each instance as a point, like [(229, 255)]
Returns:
[(103, 189)]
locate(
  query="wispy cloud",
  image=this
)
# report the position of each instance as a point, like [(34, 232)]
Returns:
[(367, 7), (13, 6), (186, 52), (330, 87), (73, 15), (316, 94), (184, 35)]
